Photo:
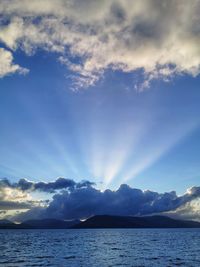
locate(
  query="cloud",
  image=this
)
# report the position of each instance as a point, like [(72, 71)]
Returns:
[(14, 205), (17, 196), (9, 193), (12, 198), (24, 185), (7, 66), (50, 187), (79, 200), (160, 37), (189, 211), (84, 202)]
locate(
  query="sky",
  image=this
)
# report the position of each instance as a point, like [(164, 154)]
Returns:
[(99, 104)]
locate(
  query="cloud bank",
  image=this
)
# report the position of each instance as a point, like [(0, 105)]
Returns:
[(162, 38), (25, 185), (85, 202), (73, 200), (17, 196)]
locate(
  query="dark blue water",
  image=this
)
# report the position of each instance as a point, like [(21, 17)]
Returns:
[(102, 247)]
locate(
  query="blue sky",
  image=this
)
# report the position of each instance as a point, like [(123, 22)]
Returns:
[(101, 91), (109, 129)]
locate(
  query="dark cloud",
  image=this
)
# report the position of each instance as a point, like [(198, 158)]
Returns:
[(85, 202), (4, 182), (78, 200), (14, 196), (50, 187), (24, 185), (84, 183)]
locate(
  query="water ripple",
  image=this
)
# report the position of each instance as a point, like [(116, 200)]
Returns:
[(100, 247)]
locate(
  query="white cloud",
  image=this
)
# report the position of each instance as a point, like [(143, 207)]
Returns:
[(6, 64), (161, 37), (12, 194), (189, 211)]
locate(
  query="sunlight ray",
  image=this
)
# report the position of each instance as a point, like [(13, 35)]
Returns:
[(159, 149), (121, 147)]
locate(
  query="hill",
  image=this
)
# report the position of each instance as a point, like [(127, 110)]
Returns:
[(39, 224), (103, 221), (50, 224), (107, 221)]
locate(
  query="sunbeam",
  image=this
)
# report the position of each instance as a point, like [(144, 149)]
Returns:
[(124, 142), (158, 148)]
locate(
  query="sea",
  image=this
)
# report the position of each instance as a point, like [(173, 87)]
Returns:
[(100, 247)]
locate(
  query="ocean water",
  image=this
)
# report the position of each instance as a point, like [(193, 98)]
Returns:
[(101, 247)]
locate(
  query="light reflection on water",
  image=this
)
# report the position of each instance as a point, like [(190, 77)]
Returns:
[(101, 247)]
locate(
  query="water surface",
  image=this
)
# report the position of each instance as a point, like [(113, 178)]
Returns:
[(101, 247)]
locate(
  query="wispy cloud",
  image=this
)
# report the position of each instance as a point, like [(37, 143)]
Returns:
[(160, 37)]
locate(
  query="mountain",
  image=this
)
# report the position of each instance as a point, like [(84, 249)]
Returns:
[(103, 221), (50, 224), (4, 221), (107, 221), (38, 224), (6, 224)]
